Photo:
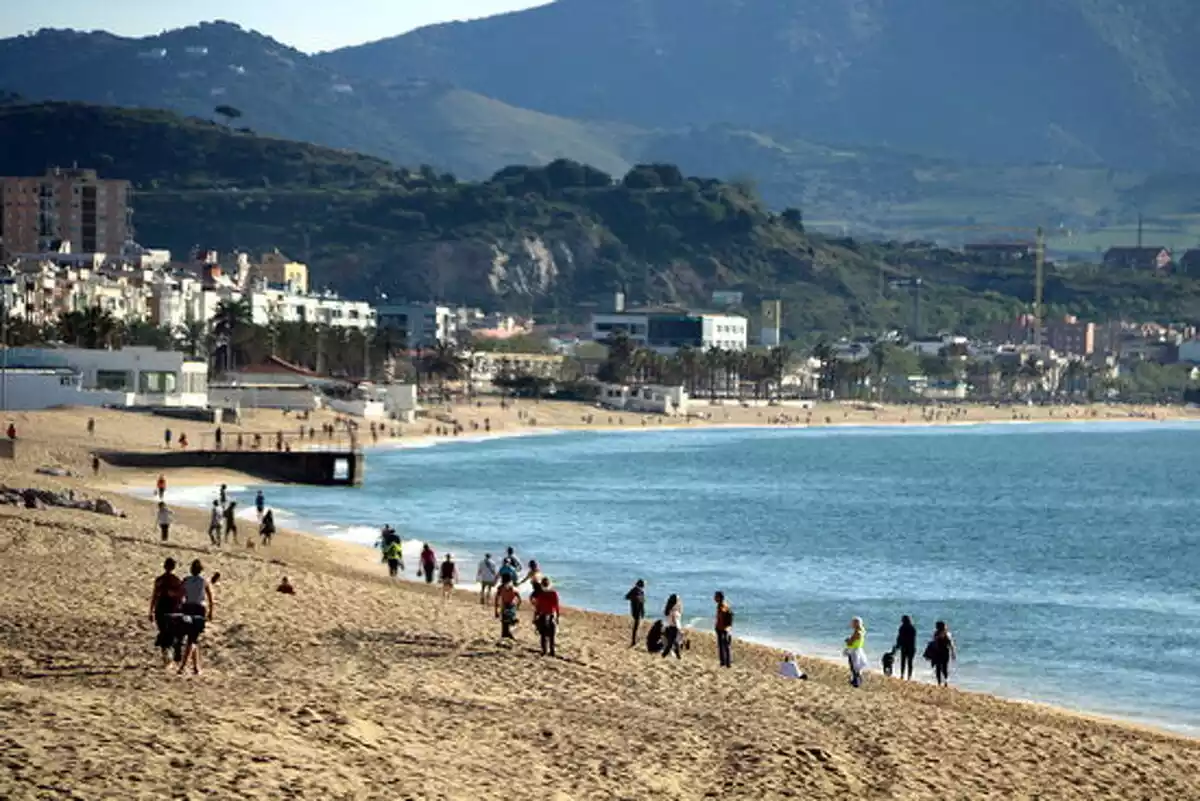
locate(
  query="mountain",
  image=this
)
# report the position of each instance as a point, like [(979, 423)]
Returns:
[(548, 239), (284, 92), (1114, 82)]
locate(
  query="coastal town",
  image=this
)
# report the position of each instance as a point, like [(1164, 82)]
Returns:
[(92, 317), (599, 399)]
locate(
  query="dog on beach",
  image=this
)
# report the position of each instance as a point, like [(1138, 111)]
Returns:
[(889, 661)]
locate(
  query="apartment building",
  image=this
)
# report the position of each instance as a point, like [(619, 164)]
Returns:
[(38, 214)]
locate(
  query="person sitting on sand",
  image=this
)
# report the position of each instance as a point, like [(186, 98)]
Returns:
[(286, 587), (545, 617), (164, 612), (486, 575), (654, 637), (506, 605), (673, 633), (449, 575), (788, 668), (197, 610), (164, 517), (855, 651), (266, 529)]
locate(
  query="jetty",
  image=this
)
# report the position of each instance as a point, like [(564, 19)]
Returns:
[(327, 464)]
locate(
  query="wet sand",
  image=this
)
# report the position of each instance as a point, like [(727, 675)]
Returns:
[(358, 687)]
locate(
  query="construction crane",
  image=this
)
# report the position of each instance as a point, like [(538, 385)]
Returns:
[(1039, 255)]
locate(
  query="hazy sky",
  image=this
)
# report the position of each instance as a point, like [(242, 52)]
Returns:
[(304, 24)]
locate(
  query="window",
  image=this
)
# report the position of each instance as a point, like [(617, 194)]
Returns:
[(155, 381), (114, 380)]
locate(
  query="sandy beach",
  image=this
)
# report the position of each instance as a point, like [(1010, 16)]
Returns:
[(358, 687)]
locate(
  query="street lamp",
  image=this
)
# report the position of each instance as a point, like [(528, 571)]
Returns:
[(5, 283)]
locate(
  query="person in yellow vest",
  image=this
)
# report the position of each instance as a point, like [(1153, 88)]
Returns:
[(856, 650)]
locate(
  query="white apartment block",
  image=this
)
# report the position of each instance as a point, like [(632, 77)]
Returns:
[(667, 329)]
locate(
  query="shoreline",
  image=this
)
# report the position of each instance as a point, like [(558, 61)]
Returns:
[(809, 651), (359, 686)]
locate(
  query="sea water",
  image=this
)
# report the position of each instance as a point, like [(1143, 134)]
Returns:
[(1064, 557)]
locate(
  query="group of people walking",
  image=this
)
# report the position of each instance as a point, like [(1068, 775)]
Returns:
[(498, 584), (666, 636), (180, 608), (940, 651), (222, 518)]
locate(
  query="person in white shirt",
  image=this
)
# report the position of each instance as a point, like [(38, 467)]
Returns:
[(788, 668), (164, 519), (197, 610), (214, 524), (486, 576), (673, 633)]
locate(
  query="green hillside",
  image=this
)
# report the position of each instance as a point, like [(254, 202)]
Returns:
[(545, 239)]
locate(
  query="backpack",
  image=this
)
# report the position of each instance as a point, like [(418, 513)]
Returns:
[(931, 650)]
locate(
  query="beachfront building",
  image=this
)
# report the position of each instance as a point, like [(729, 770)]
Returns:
[(666, 329), (42, 378), (270, 304), (645, 398), (1067, 334), (418, 325)]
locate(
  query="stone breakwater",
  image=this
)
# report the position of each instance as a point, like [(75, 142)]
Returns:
[(34, 498)]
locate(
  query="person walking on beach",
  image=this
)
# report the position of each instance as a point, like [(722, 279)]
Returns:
[(723, 625), (637, 608), (222, 495), (486, 575), (512, 562), (506, 605), (197, 610), (160, 486), (91, 426), (266, 529), (906, 644), (164, 517), (218, 436), (95, 464), (214, 524), (940, 651), (167, 439), (393, 554), (449, 575), (673, 633), (164, 612), (231, 522), (260, 503), (428, 563), (534, 577), (855, 651), (545, 617)]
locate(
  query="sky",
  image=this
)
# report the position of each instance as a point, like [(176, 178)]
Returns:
[(308, 25)]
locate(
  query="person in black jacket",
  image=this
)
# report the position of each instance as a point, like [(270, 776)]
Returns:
[(906, 644), (637, 608)]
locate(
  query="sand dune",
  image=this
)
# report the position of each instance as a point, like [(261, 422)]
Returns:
[(360, 688)]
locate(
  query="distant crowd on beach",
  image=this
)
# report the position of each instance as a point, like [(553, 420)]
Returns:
[(500, 586)]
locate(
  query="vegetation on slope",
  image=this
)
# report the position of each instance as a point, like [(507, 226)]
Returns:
[(545, 239)]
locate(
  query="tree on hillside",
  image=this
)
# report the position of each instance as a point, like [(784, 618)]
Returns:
[(228, 113), (620, 362)]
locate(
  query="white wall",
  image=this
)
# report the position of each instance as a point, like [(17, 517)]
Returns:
[(249, 397), (29, 390), (649, 398)]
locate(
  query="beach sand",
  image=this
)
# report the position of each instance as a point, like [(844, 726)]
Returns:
[(357, 687)]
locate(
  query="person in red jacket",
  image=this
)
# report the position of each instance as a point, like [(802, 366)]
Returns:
[(545, 605)]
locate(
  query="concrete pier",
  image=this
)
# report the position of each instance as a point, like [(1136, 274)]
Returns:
[(318, 467)]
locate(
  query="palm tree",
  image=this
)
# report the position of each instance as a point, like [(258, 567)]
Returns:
[(714, 362), (95, 328), (688, 360), (778, 359), (619, 364), (445, 363), (823, 353), (192, 338), (229, 323)]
